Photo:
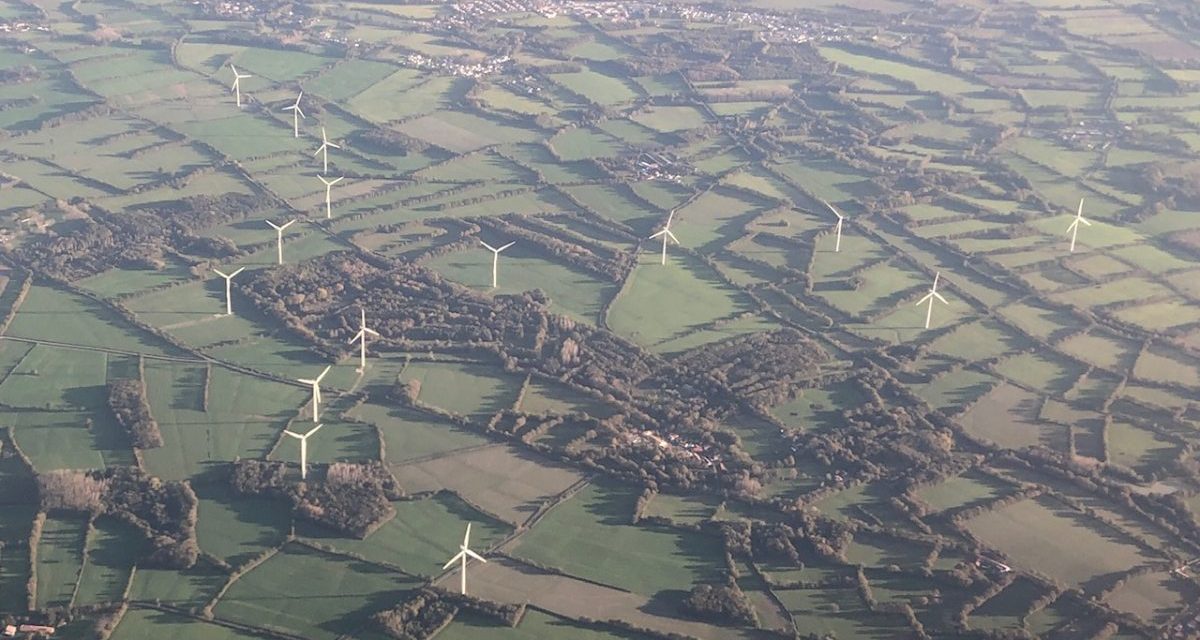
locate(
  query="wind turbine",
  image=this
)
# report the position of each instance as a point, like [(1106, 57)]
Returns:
[(297, 113), (324, 150), (328, 187), (237, 83), (837, 245), (316, 391), (929, 297), (279, 235), (362, 337), (304, 448), (463, 551), (665, 233), (1074, 228), (228, 281), (495, 258)]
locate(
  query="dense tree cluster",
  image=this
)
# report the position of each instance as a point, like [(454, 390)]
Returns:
[(127, 399), (164, 512), (430, 609), (720, 603), (352, 498), (765, 367), (138, 238)]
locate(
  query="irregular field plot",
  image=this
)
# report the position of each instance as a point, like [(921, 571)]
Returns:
[(502, 481), (1045, 535), (589, 536)]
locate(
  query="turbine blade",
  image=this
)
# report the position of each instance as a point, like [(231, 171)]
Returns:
[(671, 235), (300, 111), (939, 297), (307, 382), (356, 337), (314, 430), (235, 73), (240, 269), (475, 555), (1079, 213), (467, 537), (233, 86), (287, 224), (835, 211), (371, 331), (505, 247), (655, 235), (490, 247), (1074, 225), (294, 435), (220, 273), (924, 300), (338, 179), (330, 144), (320, 377), (318, 150), (451, 561), (1085, 222)]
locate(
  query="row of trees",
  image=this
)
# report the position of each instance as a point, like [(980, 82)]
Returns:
[(127, 399)]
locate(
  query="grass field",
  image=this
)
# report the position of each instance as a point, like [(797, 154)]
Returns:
[(56, 315), (408, 434), (1154, 597), (236, 528), (60, 559), (113, 548), (521, 268), (589, 536), (663, 302), (311, 593), (535, 625), (441, 382), (424, 534), (1008, 416), (963, 490), (504, 482), (1045, 535), (148, 623), (15, 522)]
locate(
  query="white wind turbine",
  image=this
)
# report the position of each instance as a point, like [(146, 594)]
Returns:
[(279, 237), (228, 281), (316, 392), (837, 245), (463, 551), (1074, 228), (297, 113), (304, 448), (328, 189), (237, 83), (929, 297), (665, 233), (326, 145), (362, 337), (495, 258)]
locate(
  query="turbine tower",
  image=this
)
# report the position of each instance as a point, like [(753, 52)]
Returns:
[(361, 336), (1074, 228), (237, 83), (316, 391), (279, 237), (495, 258), (328, 188), (837, 245), (929, 297), (463, 552), (228, 296), (665, 233), (297, 113), (326, 145), (304, 448)]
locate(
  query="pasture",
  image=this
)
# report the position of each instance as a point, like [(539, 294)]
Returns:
[(589, 536), (313, 593), (1047, 536)]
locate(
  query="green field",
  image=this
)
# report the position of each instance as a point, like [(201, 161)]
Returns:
[(308, 592), (60, 559), (589, 536)]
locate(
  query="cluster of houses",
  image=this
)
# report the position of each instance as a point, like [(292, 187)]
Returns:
[(21, 27), (27, 630), (488, 67), (659, 166), (675, 445)]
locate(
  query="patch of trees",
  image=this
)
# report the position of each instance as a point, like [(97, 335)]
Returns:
[(722, 604), (127, 399), (19, 74), (351, 498), (430, 609), (763, 366), (164, 512), (389, 141), (138, 238)]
